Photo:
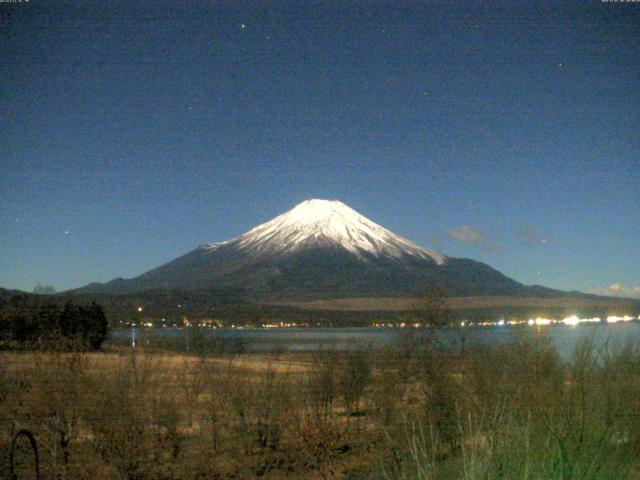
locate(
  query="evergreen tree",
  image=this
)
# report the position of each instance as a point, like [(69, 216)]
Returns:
[(95, 325), (27, 320)]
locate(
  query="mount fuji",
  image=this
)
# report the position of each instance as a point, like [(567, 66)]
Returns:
[(320, 249)]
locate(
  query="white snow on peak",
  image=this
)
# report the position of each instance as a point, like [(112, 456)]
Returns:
[(328, 222)]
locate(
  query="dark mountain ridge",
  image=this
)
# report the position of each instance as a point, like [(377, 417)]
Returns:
[(321, 249)]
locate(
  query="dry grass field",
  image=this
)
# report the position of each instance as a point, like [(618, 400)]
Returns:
[(403, 304), (417, 411)]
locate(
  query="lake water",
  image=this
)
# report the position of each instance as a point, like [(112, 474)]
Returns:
[(564, 337)]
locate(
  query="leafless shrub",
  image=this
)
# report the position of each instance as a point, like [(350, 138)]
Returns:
[(215, 386), (322, 382), (168, 441), (388, 387), (413, 454), (191, 382), (318, 443), (354, 376), (119, 418)]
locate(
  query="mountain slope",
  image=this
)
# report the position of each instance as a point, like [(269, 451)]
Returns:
[(320, 249)]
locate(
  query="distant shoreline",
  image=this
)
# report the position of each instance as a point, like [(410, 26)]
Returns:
[(403, 304)]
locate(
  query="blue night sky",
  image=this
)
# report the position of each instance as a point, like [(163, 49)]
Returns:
[(132, 132)]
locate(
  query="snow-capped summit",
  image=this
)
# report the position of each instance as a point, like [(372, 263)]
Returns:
[(328, 222)]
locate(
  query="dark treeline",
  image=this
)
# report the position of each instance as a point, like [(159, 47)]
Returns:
[(30, 321)]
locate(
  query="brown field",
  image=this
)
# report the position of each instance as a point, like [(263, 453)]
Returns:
[(415, 412), (403, 304)]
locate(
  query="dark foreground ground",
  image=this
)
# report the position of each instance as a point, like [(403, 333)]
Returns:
[(417, 412)]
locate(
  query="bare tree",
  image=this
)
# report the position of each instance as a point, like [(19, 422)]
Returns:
[(322, 382), (354, 377), (431, 308)]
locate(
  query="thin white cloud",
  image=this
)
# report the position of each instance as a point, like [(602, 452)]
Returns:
[(527, 235), (617, 290), (474, 237), (467, 234)]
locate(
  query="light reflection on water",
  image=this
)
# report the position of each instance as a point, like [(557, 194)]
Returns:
[(564, 337)]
